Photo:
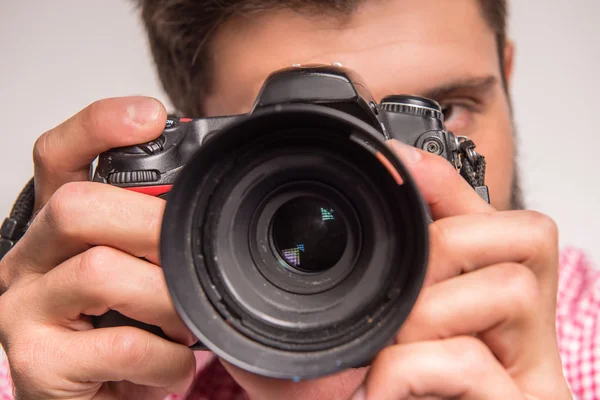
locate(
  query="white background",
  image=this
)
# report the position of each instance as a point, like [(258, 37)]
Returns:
[(58, 56)]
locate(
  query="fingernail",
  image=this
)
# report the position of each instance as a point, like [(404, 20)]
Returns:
[(359, 394), (144, 111), (408, 154)]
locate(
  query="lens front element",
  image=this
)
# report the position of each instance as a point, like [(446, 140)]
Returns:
[(308, 235)]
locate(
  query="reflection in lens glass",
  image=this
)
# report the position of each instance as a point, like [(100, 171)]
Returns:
[(309, 234)]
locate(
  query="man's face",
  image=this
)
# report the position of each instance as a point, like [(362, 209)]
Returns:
[(439, 49)]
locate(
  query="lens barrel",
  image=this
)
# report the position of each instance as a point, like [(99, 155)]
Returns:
[(294, 242)]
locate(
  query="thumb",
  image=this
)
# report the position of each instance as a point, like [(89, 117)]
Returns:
[(443, 188), (65, 153)]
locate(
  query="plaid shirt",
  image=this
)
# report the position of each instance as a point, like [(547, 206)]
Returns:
[(578, 327)]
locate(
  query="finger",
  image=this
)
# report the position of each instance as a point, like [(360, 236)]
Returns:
[(85, 214), (442, 187), (126, 354), (502, 305), (64, 154), (503, 297), (459, 368), (460, 245), (103, 279)]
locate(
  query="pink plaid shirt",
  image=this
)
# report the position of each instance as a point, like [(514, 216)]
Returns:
[(578, 327)]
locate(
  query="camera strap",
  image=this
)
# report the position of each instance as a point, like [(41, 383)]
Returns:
[(472, 167), (14, 227)]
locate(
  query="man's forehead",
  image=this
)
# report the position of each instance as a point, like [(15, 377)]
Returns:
[(410, 46)]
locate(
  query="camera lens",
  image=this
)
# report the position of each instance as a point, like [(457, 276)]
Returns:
[(308, 235), (294, 242)]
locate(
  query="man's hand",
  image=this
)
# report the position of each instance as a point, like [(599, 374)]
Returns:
[(484, 324), (65, 153), (81, 257)]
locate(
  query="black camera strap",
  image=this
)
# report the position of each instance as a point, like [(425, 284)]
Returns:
[(472, 167), (14, 227)]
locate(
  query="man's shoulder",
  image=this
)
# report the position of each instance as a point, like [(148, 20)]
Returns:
[(578, 322), (574, 257), (578, 297), (5, 381), (577, 275)]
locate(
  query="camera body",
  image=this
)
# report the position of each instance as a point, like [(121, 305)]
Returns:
[(152, 167), (294, 241)]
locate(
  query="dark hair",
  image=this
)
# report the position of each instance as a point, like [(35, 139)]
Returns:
[(179, 33)]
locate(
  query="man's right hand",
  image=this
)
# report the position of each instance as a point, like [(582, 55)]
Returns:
[(91, 248)]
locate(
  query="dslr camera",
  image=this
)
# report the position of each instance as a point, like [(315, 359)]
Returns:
[(294, 241)]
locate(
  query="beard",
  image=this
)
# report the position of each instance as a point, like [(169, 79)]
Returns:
[(516, 193)]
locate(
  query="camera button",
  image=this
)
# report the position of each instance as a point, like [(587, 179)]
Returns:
[(171, 123), (154, 146)]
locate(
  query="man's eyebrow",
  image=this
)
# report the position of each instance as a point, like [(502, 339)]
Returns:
[(480, 85)]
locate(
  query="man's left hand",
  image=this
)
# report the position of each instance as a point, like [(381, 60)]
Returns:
[(484, 324)]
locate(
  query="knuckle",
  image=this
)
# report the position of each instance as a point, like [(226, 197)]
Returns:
[(71, 202), (521, 287), (471, 355), (95, 265), (130, 347), (544, 228), (93, 116), (40, 151), (541, 245)]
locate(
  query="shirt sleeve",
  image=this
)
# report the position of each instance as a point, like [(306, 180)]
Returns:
[(578, 323), (6, 392), (212, 382)]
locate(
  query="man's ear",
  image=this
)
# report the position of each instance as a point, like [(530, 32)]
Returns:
[(509, 56)]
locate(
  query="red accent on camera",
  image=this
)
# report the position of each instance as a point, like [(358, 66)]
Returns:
[(185, 120), (151, 190)]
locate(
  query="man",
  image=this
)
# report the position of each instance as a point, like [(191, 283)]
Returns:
[(484, 326)]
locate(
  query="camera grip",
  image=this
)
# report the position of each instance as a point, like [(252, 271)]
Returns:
[(114, 318)]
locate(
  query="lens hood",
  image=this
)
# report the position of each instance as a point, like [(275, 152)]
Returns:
[(240, 294)]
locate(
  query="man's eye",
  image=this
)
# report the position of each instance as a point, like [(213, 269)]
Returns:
[(457, 117), (450, 111)]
